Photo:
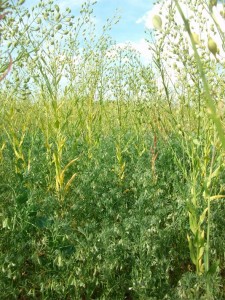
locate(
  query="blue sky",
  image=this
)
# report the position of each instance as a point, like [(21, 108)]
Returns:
[(130, 11)]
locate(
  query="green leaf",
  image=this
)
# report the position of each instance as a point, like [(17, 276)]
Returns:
[(199, 239), (68, 250), (5, 223), (22, 198), (200, 253), (215, 197), (192, 250), (196, 142), (42, 222), (213, 268), (193, 223), (54, 105), (191, 208), (59, 261), (202, 217), (57, 124), (215, 173)]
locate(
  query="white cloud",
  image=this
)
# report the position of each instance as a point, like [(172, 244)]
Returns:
[(147, 17), (68, 3), (141, 47)]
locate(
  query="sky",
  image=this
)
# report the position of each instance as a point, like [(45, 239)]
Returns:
[(130, 11)]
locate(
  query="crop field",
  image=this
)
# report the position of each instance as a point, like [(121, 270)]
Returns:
[(112, 173)]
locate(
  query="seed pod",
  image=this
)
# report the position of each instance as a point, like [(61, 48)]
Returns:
[(213, 3), (57, 17), (195, 37), (157, 22), (212, 46), (57, 8), (35, 58), (175, 66), (38, 20), (59, 26), (222, 13), (36, 28), (21, 2), (45, 16)]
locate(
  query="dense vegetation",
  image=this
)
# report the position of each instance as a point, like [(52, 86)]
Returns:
[(111, 180)]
